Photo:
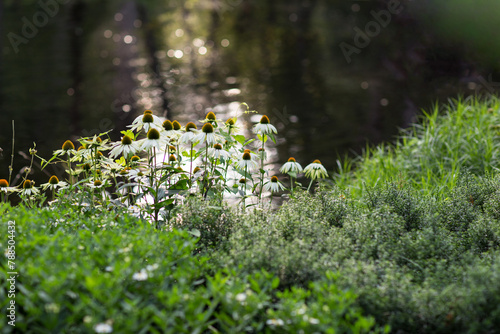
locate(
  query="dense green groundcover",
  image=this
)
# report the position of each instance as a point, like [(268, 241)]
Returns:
[(80, 273), (410, 239)]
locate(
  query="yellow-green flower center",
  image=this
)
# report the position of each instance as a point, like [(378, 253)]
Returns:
[(196, 170), (68, 145), (242, 180), (126, 140), (176, 125), (172, 157), (167, 125), (230, 122), (97, 183), (291, 159), (190, 126), (27, 184), (153, 134), (274, 179), (218, 146), (207, 128), (147, 118), (4, 183), (172, 148), (135, 158), (246, 156), (264, 120), (53, 180), (211, 116), (148, 112)]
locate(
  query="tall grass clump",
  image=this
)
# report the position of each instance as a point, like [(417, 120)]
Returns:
[(464, 136)]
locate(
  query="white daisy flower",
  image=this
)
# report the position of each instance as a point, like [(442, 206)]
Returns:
[(241, 297), (140, 276), (172, 129), (82, 154), (147, 121), (112, 166), (252, 155), (210, 118), (103, 328), (54, 183), (207, 134), (217, 152), (246, 162), (231, 125), (4, 187), (95, 142), (315, 170), (262, 153), (97, 184), (67, 148), (189, 136), (153, 139), (264, 127), (291, 166), (275, 322), (29, 189), (273, 185), (126, 146), (137, 174)]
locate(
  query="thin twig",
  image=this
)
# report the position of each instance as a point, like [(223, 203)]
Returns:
[(11, 167)]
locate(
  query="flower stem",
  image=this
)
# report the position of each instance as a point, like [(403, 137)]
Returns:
[(310, 184), (156, 208), (262, 169), (191, 167), (205, 176), (70, 178), (11, 167), (245, 187)]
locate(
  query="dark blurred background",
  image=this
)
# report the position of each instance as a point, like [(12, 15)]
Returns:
[(332, 75)]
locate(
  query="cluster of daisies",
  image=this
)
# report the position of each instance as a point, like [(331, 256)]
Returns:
[(211, 158)]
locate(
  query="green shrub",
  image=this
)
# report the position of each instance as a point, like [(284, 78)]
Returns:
[(209, 218), (323, 308), (403, 201), (77, 273)]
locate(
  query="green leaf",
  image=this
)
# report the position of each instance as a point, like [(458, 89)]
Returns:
[(249, 141), (271, 135), (129, 133), (275, 283), (263, 138), (195, 232), (240, 139)]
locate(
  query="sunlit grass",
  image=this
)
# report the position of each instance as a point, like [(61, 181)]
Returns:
[(431, 154)]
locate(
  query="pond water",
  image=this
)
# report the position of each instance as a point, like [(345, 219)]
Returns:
[(97, 67)]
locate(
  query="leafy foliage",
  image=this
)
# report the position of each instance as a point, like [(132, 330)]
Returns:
[(77, 272)]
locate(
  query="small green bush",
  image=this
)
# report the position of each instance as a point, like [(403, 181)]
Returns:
[(211, 219)]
